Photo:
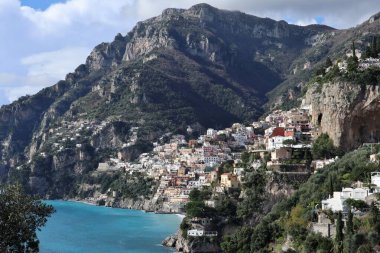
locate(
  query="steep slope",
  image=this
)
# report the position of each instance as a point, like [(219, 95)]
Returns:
[(202, 67), (335, 45)]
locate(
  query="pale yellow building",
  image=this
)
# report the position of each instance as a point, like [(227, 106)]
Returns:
[(228, 180)]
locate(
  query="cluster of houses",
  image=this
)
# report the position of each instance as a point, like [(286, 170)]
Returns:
[(369, 63), (73, 133), (364, 64), (201, 227), (339, 202), (180, 164)]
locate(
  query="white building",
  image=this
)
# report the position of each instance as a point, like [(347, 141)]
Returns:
[(277, 142), (241, 139), (238, 171), (375, 180), (199, 233), (211, 132), (211, 160), (320, 164), (336, 203)]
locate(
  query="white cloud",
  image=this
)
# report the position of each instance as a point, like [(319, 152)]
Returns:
[(53, 65), (304, 22), (39, 47)]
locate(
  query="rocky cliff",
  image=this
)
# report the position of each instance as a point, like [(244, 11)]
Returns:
[(348, 112), (188, 245)]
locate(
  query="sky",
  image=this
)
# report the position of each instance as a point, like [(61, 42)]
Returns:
[(43, 40)]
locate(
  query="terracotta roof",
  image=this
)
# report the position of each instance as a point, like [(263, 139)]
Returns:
[(278, 131)]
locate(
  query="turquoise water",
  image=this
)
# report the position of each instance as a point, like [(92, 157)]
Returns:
[(77, 227)]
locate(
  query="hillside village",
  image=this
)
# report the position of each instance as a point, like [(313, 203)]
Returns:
[(281, 143)]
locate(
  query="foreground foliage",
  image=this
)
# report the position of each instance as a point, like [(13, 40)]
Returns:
[(20, 217), (288, 221)]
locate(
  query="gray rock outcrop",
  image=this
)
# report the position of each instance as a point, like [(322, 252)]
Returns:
[(349, 113)]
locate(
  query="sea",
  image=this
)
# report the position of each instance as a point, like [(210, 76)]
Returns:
[(80, 228)]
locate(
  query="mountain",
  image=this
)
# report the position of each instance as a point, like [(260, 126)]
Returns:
[(201, 67)]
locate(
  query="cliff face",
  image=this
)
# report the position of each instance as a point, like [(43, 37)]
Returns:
[(197, 245), (348, 112)]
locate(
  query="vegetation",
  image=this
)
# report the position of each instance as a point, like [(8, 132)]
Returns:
[(293, 216), (374, 49), (254, 188), (20, 217), (329, 72), (323, 147), (196, 206)]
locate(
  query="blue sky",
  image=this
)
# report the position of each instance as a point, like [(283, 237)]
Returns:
[(40, 4), (43, 40)]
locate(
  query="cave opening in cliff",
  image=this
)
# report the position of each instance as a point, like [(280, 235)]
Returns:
[(319, 118)]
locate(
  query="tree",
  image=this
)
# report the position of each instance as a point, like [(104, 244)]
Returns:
[(350, 222), (20, 217), (331, 185), (365, 248), (289, 142), (328, 62), (375, 221), (354, 50), (255, 191), (358, 204), (374, 47), (297, 223), (353, 62), (339, 234), (349, 231), (315, 242), (195, 195), (323, 147)]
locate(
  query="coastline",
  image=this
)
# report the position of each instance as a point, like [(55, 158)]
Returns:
[(137, 225), (145, 206), (80, 201)]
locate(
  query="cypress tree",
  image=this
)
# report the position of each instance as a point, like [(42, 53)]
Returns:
[(339, 234), (331, 186), (350, 223), (377, 47), (374, 47), (353, 51), (375, 218), (328, 62), (367, 53)]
